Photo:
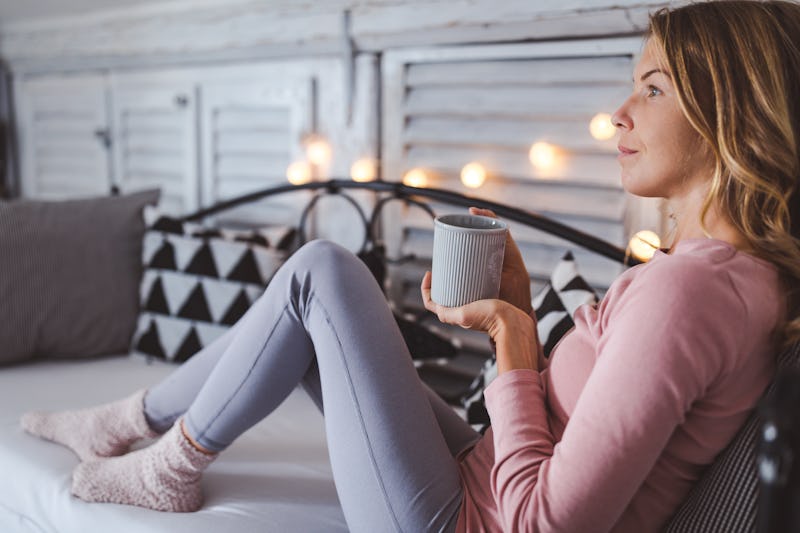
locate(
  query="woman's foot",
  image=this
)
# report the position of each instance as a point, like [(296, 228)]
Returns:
[(103, 431), (164, 476)]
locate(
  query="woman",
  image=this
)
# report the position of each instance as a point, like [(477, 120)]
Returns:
[(636, 401)]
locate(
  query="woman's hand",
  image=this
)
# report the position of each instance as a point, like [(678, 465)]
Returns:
[(515, 282), (512, 330)]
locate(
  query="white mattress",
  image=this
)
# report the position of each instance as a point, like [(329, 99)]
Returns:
[(275, 478)]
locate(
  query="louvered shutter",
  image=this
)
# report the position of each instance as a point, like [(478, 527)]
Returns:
[(155, 141), (62, 124), (251, 132), (444, 108)]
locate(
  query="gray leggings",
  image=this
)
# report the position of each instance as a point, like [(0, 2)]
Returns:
[(324, 322)]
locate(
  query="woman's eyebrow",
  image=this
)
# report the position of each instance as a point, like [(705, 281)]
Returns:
[(649, 72)]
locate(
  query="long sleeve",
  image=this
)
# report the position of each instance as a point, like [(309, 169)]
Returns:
[(669, 343)]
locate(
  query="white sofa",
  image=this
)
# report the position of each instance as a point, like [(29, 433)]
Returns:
[(276, 477)]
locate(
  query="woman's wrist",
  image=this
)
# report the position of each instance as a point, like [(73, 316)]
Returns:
[(518, 294), (514, 336)]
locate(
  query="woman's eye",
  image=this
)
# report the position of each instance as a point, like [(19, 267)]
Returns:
[(653, 91)]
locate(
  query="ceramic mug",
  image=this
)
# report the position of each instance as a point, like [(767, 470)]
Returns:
[(467, 258)]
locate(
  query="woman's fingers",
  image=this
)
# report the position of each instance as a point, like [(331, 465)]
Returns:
[(482, 212), (444, 314), (425, 289), (471, 316)]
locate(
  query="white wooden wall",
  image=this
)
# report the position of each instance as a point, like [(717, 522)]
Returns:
[(201, 134), (214, 30), (61, 121)]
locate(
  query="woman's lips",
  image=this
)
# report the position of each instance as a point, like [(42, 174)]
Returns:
[(625, 151)]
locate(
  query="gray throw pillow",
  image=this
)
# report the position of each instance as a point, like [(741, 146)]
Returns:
[(69, 275), (726, 497)]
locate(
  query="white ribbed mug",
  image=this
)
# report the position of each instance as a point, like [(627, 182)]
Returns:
[(467, 258)]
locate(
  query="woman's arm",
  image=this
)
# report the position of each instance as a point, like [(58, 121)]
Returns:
[(662, 350), (647, 374)]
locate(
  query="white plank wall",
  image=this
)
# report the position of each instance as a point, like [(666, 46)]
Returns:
[(251, 131), (203, 134), (154, 142), (247, 146), (58, 126), (197, 31)]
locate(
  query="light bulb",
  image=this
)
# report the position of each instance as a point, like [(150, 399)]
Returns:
[(299, 173), (318, 151), (644, 244), (543, 155), (473, 175), (601, 127), (416, 177), (363, 170)]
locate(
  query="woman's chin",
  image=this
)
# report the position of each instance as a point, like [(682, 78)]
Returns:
[(637, 187)]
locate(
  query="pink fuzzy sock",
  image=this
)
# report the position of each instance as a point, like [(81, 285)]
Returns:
[(101, 431), (164, 476)]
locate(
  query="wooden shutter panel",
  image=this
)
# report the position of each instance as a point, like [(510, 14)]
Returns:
[(155, 141), (63, 120), (251, 133)]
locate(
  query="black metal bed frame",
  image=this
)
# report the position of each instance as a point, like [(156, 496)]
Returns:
[(400, 191)]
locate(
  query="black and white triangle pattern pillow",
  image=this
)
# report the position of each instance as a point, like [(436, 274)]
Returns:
[(198, 282), (554, 307), (556, 304)]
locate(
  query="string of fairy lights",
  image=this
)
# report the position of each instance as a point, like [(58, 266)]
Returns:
[(543, 156)]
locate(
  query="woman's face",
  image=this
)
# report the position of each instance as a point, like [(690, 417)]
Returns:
[(661, 155)]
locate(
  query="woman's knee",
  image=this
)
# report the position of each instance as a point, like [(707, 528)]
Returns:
[(329, 272), (328, 262), (325, 254)]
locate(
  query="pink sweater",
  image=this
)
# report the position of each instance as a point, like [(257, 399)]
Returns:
[(636, 400)]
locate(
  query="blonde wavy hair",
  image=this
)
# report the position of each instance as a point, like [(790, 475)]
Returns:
[(736, 68)]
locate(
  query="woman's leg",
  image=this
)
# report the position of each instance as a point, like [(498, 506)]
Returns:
[(391, 462), (165, 402), (393, 465), (109, 429), (456, 433)]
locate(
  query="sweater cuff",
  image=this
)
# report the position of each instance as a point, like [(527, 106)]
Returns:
[(512, 384)]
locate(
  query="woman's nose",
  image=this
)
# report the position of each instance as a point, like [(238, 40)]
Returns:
[(621, 119)]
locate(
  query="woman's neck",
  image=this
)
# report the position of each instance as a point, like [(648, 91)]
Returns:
[(687, 217)]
